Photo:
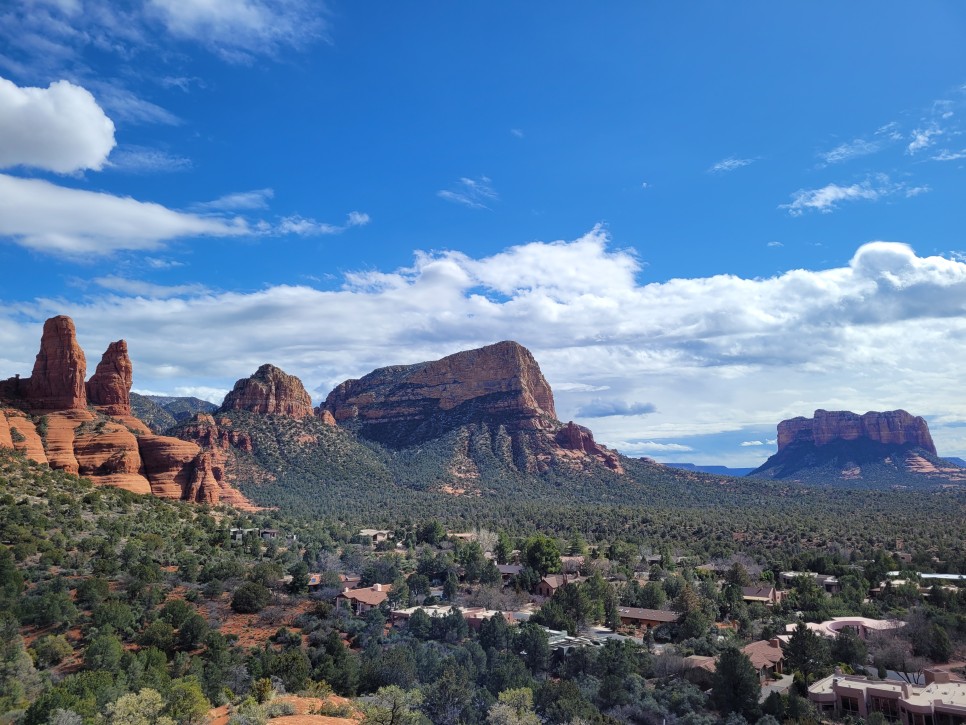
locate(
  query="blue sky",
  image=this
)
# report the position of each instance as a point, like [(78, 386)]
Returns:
[(702, 218)]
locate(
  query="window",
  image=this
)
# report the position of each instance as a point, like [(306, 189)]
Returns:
[(850, 705)]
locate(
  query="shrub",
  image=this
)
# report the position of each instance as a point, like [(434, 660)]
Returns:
[(250, 598)]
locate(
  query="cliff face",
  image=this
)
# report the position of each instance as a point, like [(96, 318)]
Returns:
[(50, 422), (874, 449), (498, 388), (891, 428), (109, 389), (270, 392), (405, 404), (57, 380)]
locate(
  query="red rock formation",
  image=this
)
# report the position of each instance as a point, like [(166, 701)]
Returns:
[(894, 427), (208, 433), (19, 432), (168, 464), (270, 391), (575, 437), (57, 381), (327, 417), (500, 382), (109, 389), (109, 455)]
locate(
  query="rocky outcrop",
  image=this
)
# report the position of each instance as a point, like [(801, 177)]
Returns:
[(109, 389), (57, 380), (573, 437), (404, 404), (52, 424), (871, 450), (891, 428), (209, 432), (270, 391)]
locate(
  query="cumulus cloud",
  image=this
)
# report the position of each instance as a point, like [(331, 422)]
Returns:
[(729, 164), (601, 408), (59, 128), (474, 193), (716, 354), (746, 444), (57, 219)]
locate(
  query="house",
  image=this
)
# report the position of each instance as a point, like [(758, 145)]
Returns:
[(350, 580), (508, 571), (474, 616), (552, 582), (940, 700), (769, 596), (646, 618), (828, 582), (363, 599), (374, 536), (862, 626), (268, 534), (239, 534), (767, 656)]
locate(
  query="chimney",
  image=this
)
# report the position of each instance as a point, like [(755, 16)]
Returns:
[(346, 590), (377, 587), (775, 642), (937, 676)]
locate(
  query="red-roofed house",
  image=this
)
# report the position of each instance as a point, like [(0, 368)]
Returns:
[(364, 599)]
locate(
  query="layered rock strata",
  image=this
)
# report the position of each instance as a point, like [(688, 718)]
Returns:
[(48, 417), (891, 428), (270, 391)]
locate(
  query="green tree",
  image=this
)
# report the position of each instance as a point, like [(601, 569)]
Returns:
[(250, 598), (142, 708), (104, 653), (735, 686), (392, 705), (514, 707), (300, 578), (52, 649), (542, 554), (448, 696), (806, 653), (532, 643), (186, 702)]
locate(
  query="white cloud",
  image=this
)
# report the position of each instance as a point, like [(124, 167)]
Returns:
[(850, 150), (947, 155), (636, 448), (829, 197), (775, 244), (712, 354), (256, 199), (60, 128), (923, 138), (600, 408), (142, 160), (140, 288), (516, 132), (729, 164), (310, 227), (474, 193), (56, 219), (237, 30), (746, 444)]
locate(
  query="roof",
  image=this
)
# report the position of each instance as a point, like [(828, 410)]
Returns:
[(758, 592), (764, 653), (374, 532), (558, 580), (315, 580), (373, 596), (701, 662), (509, 568), (654, 615)]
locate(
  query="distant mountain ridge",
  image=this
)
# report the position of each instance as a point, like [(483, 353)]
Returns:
[(717, 470), (891, 448), (161, 412)]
